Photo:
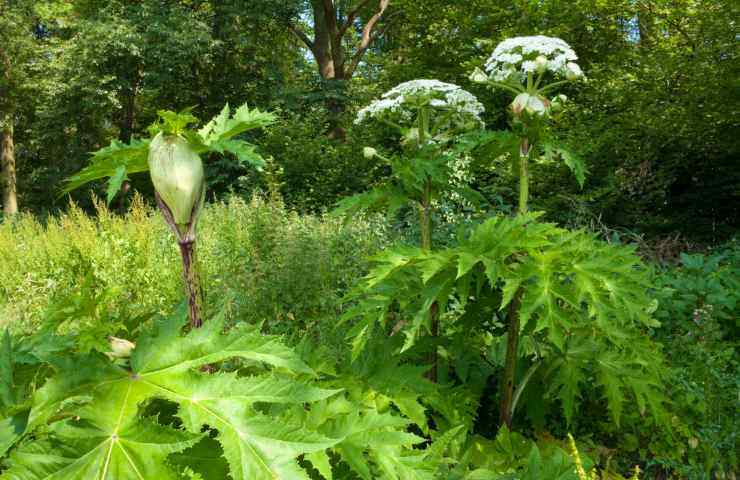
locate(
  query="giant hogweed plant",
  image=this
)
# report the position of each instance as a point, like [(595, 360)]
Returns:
[(428, 115), (190, 399), (208, 403), (172, 156), (572, 309), (582, 306), (523, 65)]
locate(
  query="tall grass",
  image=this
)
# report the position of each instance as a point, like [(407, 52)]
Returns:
[(270, 264)]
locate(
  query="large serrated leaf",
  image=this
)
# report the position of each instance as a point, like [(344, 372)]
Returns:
[(116, 160), (106, 437)]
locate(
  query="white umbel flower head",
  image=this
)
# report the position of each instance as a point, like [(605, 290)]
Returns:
[(513, 58), (406, 98)]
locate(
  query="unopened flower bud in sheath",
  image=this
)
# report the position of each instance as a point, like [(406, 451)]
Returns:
[(177, 175), (120, 347), (531, 104)]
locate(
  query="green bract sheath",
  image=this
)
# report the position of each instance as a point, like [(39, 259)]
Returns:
[(177, 175)]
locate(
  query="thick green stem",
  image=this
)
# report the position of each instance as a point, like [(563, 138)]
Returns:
[(506, 409), (425, 227), (425, 224), (523, 175), (512, 345), (185, 235)]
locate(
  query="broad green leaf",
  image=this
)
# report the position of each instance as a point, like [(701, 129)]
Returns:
[(115, 182), (106, 438), (320, 461), (224, 126), (7, 397), (465, 262), (130, 451), (107, 161), (11, 430)]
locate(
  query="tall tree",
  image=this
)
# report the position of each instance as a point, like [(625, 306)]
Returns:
[(341, 32), (16, 45), (335, 22)]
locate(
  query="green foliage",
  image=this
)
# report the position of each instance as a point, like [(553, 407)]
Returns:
[(275, 266), (108, 418), (312, 172), (699, 311), (118, 160), (583, 305), (405, 186)]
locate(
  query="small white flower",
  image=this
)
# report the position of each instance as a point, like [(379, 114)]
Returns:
[(573, 71), (478, 76), (369, 152), (528, 66)]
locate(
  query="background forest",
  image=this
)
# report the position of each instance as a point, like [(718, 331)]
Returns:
[(656, 124)]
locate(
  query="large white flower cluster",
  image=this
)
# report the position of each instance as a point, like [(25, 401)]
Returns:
[(515, 57), (403, 98)]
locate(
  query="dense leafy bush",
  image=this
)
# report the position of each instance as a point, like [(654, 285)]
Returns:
[(276, 265), (582, 310), (699, 311)]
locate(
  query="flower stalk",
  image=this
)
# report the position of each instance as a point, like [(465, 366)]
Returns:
[(177, 174)]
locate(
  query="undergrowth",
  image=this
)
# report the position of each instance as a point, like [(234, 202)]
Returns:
[(273, 264)]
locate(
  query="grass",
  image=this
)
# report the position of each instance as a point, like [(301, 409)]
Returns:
[(271, 264)]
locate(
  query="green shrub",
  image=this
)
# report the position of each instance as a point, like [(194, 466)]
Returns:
[(699, 311), (271, 263)]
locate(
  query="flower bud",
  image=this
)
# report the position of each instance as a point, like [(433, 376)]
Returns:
[(520, 103), (531, 104), (411, 136), (369, 152), (177, 175), (120, 347), (558, 102), (537, 105), (540, 63), (573, 71), (478, 76)]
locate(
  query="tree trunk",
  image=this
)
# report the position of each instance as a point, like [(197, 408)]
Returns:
[(129, 117), (7, 160), (322, 43), (335, 64)]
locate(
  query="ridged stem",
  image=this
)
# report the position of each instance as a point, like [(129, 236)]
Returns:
[(506, 408), (185, 235), (192, 282)]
